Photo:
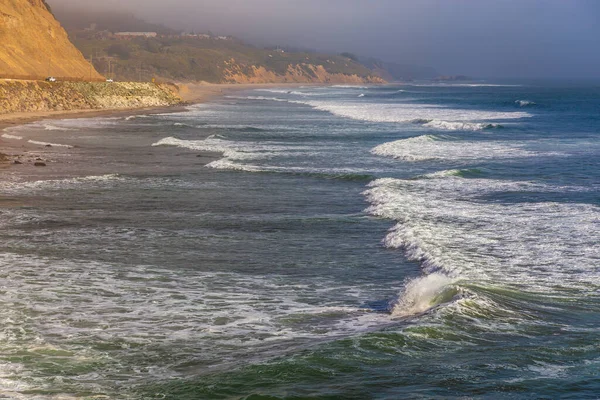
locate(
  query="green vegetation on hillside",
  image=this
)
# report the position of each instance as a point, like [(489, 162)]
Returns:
[(197, 59), (26, 96)]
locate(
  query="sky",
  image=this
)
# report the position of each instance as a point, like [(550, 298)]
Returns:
[(479, 38)]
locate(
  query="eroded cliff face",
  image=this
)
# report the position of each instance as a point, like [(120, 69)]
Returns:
[(299, 73), (31, 96), (33, 44)]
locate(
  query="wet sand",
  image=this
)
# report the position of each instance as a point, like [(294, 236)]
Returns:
[(191, 93)]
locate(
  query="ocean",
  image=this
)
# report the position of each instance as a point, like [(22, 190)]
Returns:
[(414, 241)]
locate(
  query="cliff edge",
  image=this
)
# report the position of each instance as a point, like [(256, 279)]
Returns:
[(33, 44), (299, 73)]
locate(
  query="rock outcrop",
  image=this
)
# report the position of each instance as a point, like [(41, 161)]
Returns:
[(299, 73), (34, 45), (31, 96)]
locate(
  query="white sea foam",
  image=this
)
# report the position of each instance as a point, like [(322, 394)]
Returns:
[(9, 136), (350, 87), (460, 126), (264, 98), (234, 127), (50, 127), (208, 317), (73, 124), (49, 144), (211, 145), (140, 116), (227, 164), (292, 92), (420, 294), (442, 174), (431, 115), (236, 150), (525, 103), (20, 186), (442, 224), (431, 147)]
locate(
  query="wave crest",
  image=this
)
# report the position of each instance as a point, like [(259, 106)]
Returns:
[(49, 144), (443, 147), (423, 293), (525, 103), (14, 137)]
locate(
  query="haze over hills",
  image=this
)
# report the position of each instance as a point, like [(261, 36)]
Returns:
[(75, 19), (489, 39), (168, 54), (398, 72), (35, 45)]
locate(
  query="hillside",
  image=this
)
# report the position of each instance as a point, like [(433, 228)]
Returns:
[(35, 96), (193, 58), (213, 60), (34, 45)]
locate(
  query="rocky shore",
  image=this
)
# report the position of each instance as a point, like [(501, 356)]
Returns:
[(36, 96)]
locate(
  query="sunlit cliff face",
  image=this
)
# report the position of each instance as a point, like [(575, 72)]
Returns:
[(512, 38), (34, 45)]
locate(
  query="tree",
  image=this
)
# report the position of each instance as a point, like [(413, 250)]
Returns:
[(153, 45), (119, 50)]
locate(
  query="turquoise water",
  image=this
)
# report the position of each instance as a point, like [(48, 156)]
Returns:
[(403, 241)]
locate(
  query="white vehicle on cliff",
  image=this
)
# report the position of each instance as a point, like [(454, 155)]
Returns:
[(50, 79)]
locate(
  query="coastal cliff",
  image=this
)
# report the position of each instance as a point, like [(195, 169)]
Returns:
[(212, 60), (299, 73), (34, 45), (33, 96)]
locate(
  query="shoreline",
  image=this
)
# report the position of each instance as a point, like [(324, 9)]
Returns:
[(190, 93)]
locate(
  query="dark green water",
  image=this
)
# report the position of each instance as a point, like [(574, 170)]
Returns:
[(424, 241)]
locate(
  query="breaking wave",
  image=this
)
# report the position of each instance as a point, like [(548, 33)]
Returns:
[(132, 117), (14, 137), (458, 126), (323, 173), (20, 186), (236, 150), (48, 144), (423, 293), (442, 224), (525, 103), (429, 115), (443, 147), (212, 145), (49, 127), (437, 117), (464, 173), (292, 92), (264, 98), (350, 87)]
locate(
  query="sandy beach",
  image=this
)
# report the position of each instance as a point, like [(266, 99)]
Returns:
[(12, 152)]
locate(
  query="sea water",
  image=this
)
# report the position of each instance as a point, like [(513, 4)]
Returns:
[(400, 241)]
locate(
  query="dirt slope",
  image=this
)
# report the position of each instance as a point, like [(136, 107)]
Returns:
[(33, 44)]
